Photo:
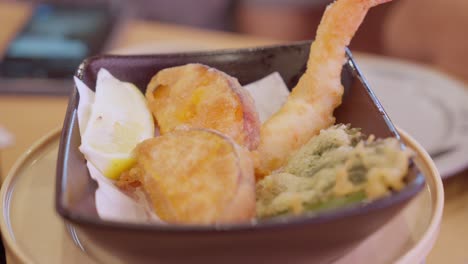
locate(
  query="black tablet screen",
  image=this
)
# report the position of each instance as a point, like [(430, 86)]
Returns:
[(55, 40)]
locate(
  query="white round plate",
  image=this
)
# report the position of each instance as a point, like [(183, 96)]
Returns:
[(428, 104), (34, 233)]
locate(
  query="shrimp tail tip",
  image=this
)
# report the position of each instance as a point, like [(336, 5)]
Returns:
[(378, 2)]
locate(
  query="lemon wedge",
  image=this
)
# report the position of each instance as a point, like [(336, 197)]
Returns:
[(119, 119)]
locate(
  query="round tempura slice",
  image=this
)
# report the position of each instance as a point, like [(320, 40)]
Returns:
[(197, 176), (202, 97)]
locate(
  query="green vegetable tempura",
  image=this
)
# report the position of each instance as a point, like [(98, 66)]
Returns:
[(336, 168)]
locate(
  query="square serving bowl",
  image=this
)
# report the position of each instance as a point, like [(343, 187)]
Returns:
[(307, 239)]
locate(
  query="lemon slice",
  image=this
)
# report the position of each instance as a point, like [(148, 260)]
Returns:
[(118, 121)]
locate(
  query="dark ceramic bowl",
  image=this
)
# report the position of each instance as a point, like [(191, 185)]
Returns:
[(305, 239)]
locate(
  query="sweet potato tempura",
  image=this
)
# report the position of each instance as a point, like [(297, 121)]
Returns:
[(198, 96), (195, 176)]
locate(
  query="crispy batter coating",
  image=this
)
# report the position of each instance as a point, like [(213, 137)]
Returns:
[(336, 165), (196, 177), (309, 108), (198, 96)]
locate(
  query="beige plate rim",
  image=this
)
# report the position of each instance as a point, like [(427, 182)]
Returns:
[(416, 253), (8, 240)]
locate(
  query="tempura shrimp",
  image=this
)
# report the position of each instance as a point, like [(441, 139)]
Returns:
[(309, 108)]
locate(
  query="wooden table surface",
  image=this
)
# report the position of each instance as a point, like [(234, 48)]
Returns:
[(30, 117)]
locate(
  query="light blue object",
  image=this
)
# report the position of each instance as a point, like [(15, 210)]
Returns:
[(44, 46)]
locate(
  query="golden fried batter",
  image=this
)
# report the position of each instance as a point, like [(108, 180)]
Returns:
[(198, 96), (309, 108), (196, 176), (332, 169)]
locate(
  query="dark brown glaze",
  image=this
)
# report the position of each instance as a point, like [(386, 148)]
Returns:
[(305, 239)]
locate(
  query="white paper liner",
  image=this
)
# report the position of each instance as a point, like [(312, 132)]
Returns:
[(269, 94)]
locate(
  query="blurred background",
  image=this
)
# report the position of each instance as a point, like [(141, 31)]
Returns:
[(427, 31), (42, 44)]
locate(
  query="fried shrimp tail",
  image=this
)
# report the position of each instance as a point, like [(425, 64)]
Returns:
[(309, 108)]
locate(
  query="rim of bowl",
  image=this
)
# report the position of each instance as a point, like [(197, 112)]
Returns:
[(420, 251)]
